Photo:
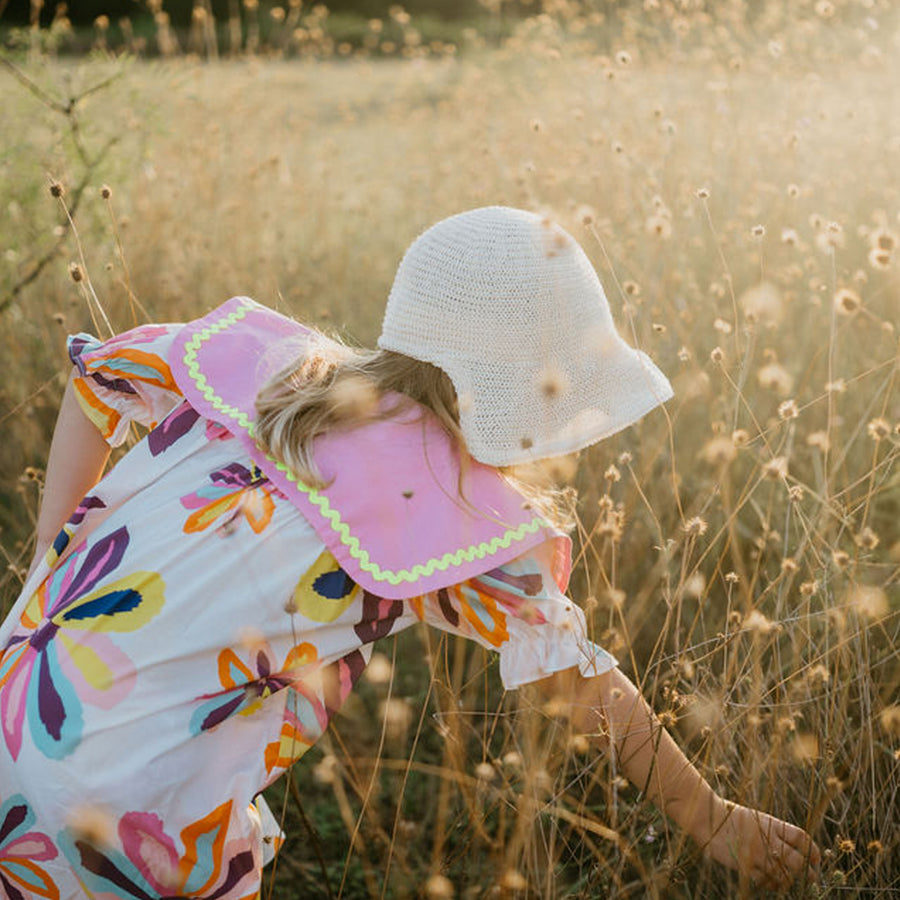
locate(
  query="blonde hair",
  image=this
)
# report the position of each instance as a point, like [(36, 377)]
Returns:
[(333, 386)]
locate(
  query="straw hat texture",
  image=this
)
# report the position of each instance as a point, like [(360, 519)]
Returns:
[(509, 306)]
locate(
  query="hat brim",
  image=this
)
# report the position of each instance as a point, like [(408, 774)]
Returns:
[(521, 421)]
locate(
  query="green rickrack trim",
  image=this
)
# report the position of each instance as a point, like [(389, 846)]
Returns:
[(320, 501)]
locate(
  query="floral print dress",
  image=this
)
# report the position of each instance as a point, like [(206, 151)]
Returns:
[(187, 638)]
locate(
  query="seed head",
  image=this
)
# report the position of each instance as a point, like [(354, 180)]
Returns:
[(882, 239), (439, 887), (703, 193), (879, 259), (867, 539), (755, 621), (869, 601), (890, 720), (76, 273), (879, 429), (805, 748), (352, 398), (659, 226), (847, 302), (397, 715), (717, 355), (808, 588), (327, 771), (695, 586), (776, 468), (732, 578), (57, 189), (819, 440), (827, 240), (718, 450), (818, 675), (106, 190), (380, 670), (763, 302), (788, 410), (786, 725), (93, 825), (840, 558), (695, 526), (580, 744), (484, 771), (513, 881), (758, 231), (722, 326), (553, 382), (251, 639)]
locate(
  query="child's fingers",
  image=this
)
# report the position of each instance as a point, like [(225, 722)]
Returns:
[(795, 838), (789, 861), (789, 852), (806, 845)]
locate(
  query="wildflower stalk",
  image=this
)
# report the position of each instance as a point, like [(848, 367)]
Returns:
[(91, 163), (84, 282)]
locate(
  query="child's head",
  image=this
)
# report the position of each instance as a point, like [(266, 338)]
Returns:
[(508, 305), (497, 323)]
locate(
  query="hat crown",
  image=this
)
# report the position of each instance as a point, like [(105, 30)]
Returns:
[(496, 271)]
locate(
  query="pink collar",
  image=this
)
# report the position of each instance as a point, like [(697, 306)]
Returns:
[(391, 514)]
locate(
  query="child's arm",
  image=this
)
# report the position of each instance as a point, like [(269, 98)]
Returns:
[(769, 850), (78, 454)]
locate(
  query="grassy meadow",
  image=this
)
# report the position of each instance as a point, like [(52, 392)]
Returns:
[(739, 552)]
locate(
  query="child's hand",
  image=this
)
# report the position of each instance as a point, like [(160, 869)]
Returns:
[(773, 853)]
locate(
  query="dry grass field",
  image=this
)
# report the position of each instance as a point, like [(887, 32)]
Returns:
[(739, 552)]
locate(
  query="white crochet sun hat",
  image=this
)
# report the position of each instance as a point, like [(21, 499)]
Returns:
[(508, 305)]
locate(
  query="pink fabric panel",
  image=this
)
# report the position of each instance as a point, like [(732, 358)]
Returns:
[(394, 483)]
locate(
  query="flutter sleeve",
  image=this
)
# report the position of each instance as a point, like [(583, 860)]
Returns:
[(125, 379), (520, 611)]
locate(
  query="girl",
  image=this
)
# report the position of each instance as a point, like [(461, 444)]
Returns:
[(188, 631)]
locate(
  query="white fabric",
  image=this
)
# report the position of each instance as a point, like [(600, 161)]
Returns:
[(172, 654), (509, 306)]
